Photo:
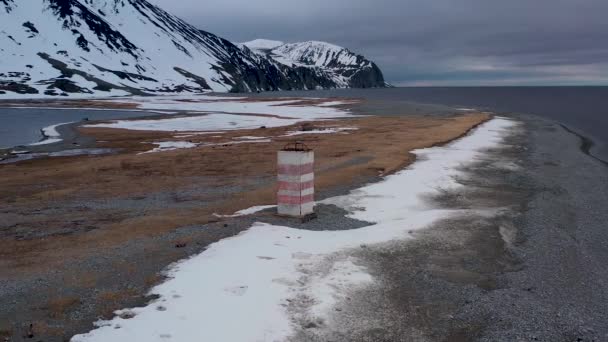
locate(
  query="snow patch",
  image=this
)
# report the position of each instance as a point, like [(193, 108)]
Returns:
[(171, 145), (223, 115), (269, 276), (211, 104), (210, 122), (248, 211), (51, 135), (320, 131), (241, 142), (46, 142), (335, 103)]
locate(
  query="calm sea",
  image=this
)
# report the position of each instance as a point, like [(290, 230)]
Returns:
[(22, 126), (582, 109)]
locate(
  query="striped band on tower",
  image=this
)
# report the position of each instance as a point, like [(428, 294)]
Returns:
[(296, 183)]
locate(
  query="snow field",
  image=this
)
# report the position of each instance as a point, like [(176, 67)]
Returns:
[(223, 115)]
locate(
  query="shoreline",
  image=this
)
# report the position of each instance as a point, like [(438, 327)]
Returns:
[(69, 139), (114, 235), (586, 144)]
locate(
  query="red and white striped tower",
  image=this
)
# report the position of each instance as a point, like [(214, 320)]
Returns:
[(296, 180)]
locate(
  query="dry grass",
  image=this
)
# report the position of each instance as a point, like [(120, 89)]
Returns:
[(87, 280), (110, 301), (153, 280), (58, 307), (115, 296), (378, 147)]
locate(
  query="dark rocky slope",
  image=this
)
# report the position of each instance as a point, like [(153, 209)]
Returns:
[(121, 47)]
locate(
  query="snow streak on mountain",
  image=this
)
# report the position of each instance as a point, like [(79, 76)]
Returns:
[(344, 68), (120, 47)]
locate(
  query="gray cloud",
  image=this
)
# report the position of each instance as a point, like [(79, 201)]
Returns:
[(423, 42)]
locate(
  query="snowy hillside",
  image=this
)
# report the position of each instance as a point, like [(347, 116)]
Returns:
[(119, 47), (344, 67)]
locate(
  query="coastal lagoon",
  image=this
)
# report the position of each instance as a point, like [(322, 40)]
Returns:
[(22, 126)]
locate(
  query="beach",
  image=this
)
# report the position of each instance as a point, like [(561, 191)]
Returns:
[(307, 171), (87, 235), (81, 223)]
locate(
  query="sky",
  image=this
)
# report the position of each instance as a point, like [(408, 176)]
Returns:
[(431, 42)]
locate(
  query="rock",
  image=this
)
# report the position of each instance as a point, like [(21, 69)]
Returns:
[(126, 314), (310, 325), (30, 332), (307, 127)]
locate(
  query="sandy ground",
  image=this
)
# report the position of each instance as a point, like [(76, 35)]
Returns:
[(83, 236)]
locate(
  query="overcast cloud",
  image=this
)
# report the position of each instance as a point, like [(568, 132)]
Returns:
[(431, 42)]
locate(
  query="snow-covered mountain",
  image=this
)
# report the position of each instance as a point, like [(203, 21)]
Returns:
[(115, 47), (345, 68)]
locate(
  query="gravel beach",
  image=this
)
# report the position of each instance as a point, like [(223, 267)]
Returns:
[(533, 270), (524, 263)]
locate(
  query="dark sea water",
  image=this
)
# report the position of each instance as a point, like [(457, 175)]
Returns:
[(582, 109), (22, 126)]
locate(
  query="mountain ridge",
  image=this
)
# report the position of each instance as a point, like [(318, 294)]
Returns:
[(348, 69), (124, 47)]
